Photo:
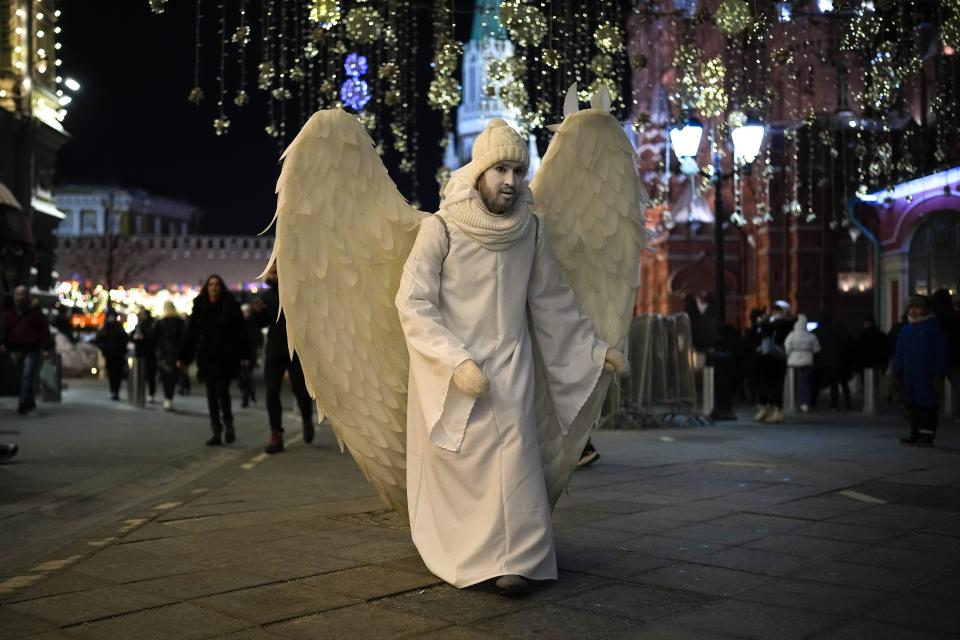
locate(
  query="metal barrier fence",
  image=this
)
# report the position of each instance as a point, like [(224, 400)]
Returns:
[(661, 388)]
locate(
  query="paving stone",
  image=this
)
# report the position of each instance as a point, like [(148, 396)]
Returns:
[(867, 630), (760, 523), (153, 531), (629, 565), (753, 620), (181, 621), (72, 608), (638, 523), (271, 603), (849, 532), (799, 511), (203, 583), (360, 622), (253, 633), (371, 581), (459, 606), (864, 576), (945, 587), (570, 517), (454, 632), (376, 551), (715, 534), (919, 611), (755, 560), (928, 542), (942, 498), (592, 537), (581, 558), (413, 564), (806, 547), (813, 596), (18, 625), (949, 527), (122, 564), (670, 631), (638, 602), (909, 518), (687, 513), (64, 581), (273, 564), (661, 546), (893, 558), (715, 581), (613, 507), (557, 623), (568, 583)]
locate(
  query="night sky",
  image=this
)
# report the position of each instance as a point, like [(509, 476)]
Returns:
[(131, 124)]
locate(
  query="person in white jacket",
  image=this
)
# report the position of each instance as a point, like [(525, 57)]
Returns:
[(801, 346)]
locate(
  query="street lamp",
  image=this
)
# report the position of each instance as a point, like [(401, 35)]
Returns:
[(747, 140)]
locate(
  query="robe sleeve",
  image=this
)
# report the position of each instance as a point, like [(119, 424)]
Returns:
[(434, 351), (573, 355)]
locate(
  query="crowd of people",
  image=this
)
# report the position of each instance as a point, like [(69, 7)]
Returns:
[(911, 361)]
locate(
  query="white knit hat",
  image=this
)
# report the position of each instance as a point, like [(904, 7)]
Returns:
[(497, 142)]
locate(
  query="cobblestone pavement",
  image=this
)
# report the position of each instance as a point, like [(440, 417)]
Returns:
[(825, 529)]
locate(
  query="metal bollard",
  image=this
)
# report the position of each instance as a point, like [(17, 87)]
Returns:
[(870, 391), (790, 390), (136, 382), (708, 390)]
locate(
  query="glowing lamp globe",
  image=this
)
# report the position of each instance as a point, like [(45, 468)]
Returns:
[(747, 139), (685, 138)]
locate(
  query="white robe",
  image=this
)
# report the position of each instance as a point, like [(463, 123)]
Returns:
[(475, 484)]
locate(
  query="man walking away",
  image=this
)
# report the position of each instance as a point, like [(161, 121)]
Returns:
[(144, 348), (277, 362), (26, 335), (112, 340), (168, 336)]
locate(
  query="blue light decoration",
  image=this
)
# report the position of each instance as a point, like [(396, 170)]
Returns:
[(355, 92)]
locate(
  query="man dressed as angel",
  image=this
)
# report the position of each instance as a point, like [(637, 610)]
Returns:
[(476, 491), (462, 357)]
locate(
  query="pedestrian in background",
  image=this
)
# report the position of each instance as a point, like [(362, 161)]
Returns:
[(255, 338), (277, 363), (772, 363), (921, 361), (801, 347), (832, 364), (167, 337), (25, 334), (941, 304), (217, 337), (112, 340), (145, 350)]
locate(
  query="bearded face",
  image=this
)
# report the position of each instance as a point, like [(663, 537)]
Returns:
[(499, 186)]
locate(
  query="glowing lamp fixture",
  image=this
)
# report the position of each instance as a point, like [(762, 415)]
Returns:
[(72, 84), (747, 139), (685, 138)]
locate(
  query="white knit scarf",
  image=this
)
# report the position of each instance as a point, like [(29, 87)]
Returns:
[(464, 206)]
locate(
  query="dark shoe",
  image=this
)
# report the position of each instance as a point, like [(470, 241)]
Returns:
[(276, 444), (924, 442), (244, 404), (912, 440), (512, 586), (214, 441), (309, 431), (114, 396), (231, 436), (8, 451), (589, 456), (22, 408)]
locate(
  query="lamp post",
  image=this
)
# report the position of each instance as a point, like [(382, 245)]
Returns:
[(747, 139)]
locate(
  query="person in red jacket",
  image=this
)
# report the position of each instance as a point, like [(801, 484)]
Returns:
[(26, 335)]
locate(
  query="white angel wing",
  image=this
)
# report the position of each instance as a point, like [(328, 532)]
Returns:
[(592, 204), (344, 232)]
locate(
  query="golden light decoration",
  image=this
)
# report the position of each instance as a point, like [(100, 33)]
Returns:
[(863, 28), (585, 94), (241, 98), (363, 25), (241, 35), (732, 16), (601, 65), (325, 13), (447, 56), (551, 58), (950, 26), (608, 37), (158, 6), (221, 125), (638, 61), (736, 119), (526, 24), (783, 56), (713, 97), (444, 93), (266, 72), (195, 96), (387, 71)]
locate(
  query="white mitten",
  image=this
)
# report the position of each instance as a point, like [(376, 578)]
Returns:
[(470, 379), (614, 361)]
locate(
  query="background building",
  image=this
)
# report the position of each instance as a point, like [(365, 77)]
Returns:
[(32, 101)]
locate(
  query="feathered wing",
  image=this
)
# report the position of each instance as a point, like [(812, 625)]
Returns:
[(343, 233), (592, 204)]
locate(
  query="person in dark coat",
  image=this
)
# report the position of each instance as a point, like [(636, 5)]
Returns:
[(25, 334), (112, 340), (832, 364), (772, 363), (941, 304), (167, 338), (216, 335), (277, 363), (255, 338), (144, 348), (921, 361)]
